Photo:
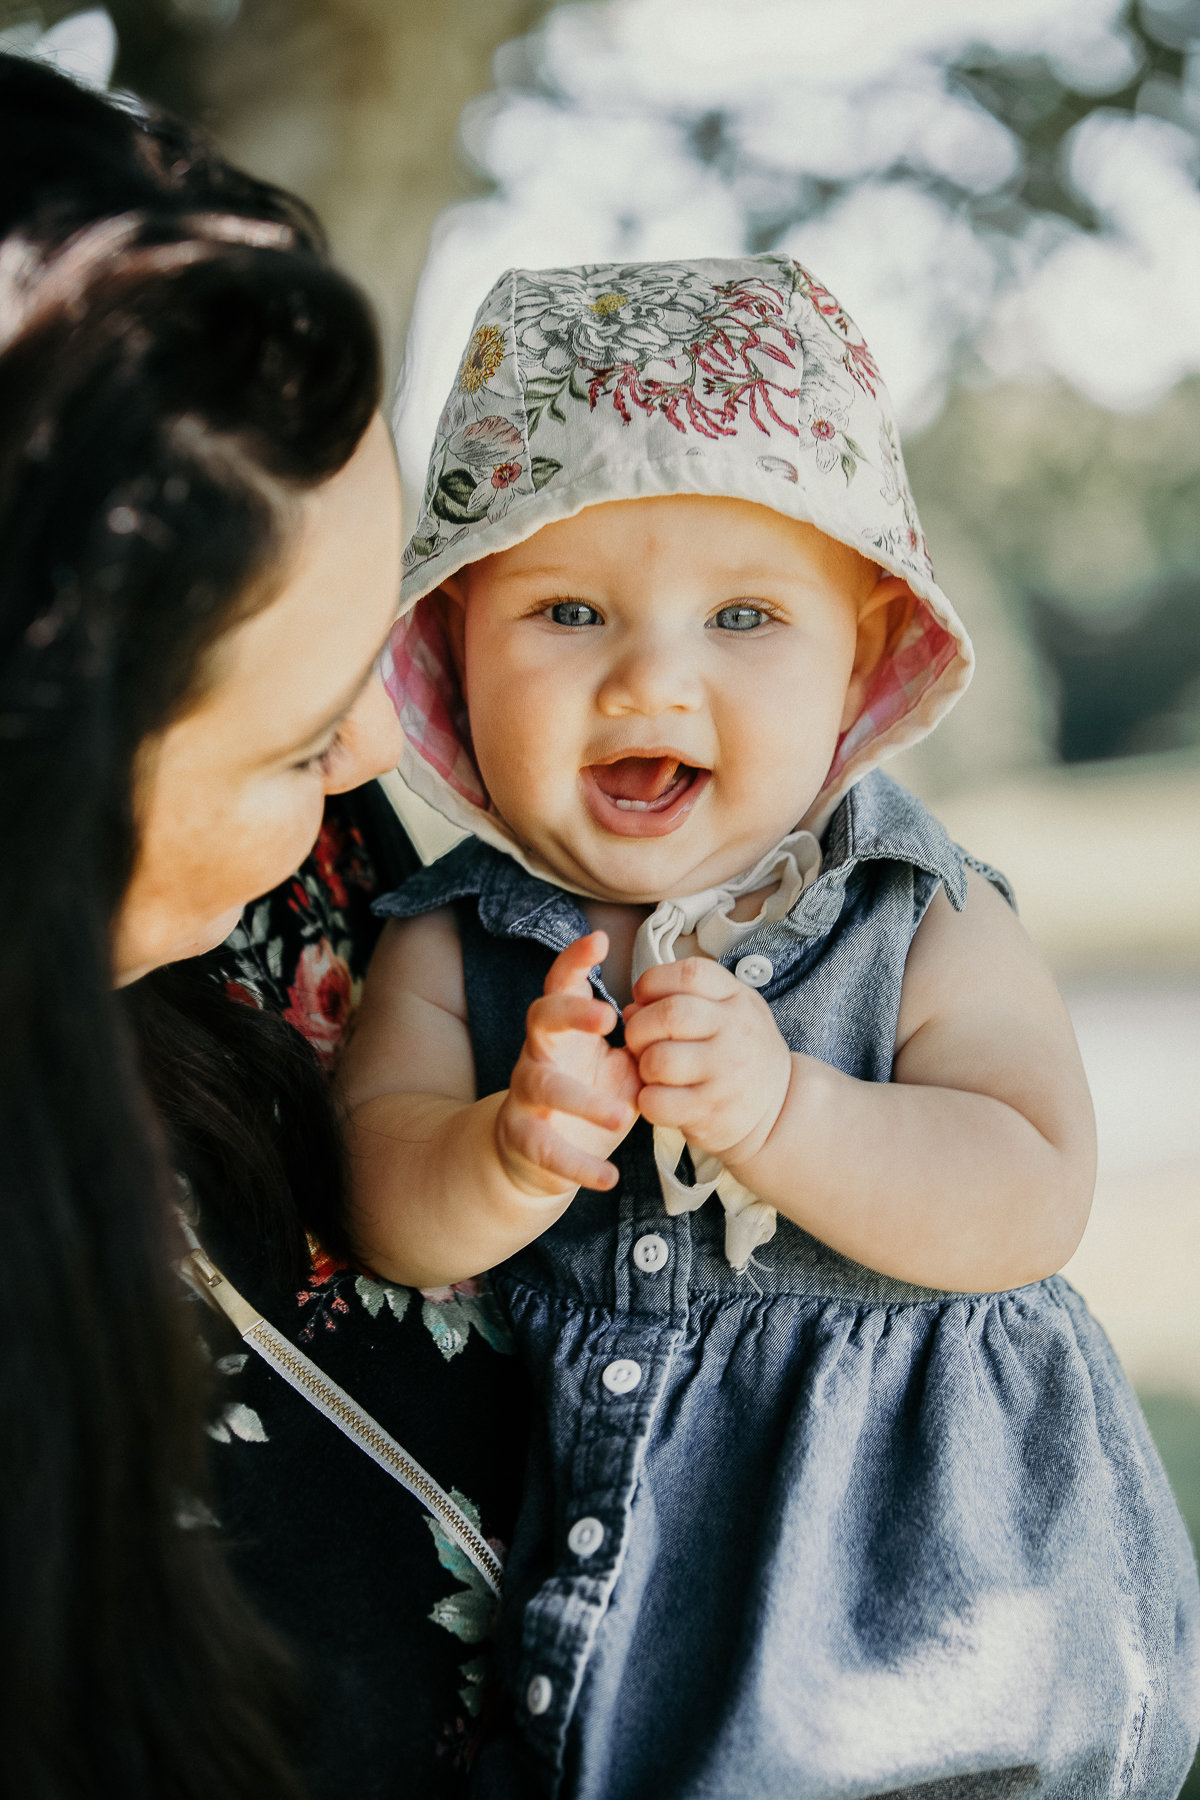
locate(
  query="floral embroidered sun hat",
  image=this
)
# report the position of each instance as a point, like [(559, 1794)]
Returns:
[(742, 378)]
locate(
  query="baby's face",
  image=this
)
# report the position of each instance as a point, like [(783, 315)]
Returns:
[(656, 687)]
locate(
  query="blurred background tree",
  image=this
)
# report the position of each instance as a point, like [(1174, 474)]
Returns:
[(352, 103)]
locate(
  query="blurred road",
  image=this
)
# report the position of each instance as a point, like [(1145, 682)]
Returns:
[(1105, 860), (1139, 1263)]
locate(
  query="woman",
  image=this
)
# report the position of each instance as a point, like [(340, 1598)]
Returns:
[(199, 546)]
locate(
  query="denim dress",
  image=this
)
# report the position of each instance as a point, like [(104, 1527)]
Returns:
[(806, 1530)]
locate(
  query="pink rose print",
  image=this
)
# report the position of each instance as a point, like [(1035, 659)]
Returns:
[(329, 847), (321, 997), (243, 995), (505, 474)]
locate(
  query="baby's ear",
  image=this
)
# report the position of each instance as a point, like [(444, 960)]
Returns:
[(881, 617), (449, 604)]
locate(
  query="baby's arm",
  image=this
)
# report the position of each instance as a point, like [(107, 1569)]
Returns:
[(443, 1185), (972, 1169)]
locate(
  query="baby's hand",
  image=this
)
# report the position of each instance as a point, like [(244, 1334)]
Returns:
[(710, 1056), (573, 1097)]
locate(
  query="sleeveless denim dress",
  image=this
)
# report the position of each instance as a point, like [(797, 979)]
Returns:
[(806, 1530)]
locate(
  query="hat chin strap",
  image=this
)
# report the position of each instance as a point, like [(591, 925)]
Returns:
[(792, 865)]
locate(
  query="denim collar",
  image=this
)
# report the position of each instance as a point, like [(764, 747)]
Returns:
[(878, 821)]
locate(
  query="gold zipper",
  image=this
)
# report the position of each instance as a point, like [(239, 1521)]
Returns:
[(202, 1274)]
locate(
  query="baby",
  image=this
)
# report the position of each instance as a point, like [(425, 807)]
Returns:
[(751, 1081)]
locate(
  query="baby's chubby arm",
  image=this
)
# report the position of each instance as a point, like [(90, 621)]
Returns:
[(972, 1169), (444, 1185)]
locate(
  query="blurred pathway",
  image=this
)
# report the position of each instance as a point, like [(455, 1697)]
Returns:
[(1106, 863), (1139, 1263)]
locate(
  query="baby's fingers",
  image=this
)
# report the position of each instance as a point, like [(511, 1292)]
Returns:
[(697, 975), (541, 1086), (534, 1140), (572, 966), (683, 1016), (556, 1013), (669, 1064)]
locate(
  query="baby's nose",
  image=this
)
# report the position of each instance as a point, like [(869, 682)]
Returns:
[(650, 678)]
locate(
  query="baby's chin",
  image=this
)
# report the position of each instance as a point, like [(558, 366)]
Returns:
[(642, 872)]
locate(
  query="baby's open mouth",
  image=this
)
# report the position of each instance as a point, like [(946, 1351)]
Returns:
[(642, 796), (642, 781)]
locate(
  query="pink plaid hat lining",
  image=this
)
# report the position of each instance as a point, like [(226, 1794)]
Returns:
[(425, 690)]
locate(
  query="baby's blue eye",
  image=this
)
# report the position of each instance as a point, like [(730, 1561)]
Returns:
[(739, 618), (574, 612)]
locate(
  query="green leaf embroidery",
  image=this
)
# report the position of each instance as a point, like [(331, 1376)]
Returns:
[(849, 468), (543, 469), (469, 1613), (240, 1420), (453, 497), (543, 394), (449, 1323), (373, 1294), (544, 387)]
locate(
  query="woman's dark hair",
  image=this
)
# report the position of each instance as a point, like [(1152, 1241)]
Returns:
[(178, 363)]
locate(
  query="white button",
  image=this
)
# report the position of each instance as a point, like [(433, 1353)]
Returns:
[(539, 1694), (585, 1537), (622, 1376), (651, 1252), (755, 971)]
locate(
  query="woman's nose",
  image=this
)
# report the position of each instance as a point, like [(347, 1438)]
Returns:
[(650, 677), (372, 740)]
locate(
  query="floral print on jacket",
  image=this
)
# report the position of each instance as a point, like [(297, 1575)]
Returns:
[(398, 1646)]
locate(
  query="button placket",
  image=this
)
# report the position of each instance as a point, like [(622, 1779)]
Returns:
[(560, 1619), (600, 1474)]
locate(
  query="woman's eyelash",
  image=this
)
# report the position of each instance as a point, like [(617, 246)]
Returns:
[(322, 760)]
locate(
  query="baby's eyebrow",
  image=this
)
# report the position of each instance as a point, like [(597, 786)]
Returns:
[(740, 572), (549, 572)]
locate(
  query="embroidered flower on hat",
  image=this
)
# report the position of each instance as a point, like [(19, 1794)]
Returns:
[(602, 317), (491, 449), (484, 354)]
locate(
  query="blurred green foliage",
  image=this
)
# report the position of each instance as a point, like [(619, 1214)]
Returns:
[(1174, 1420), (1089, 524)]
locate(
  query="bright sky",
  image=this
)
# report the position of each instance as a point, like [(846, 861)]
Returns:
[(589, 135), (84, 45)]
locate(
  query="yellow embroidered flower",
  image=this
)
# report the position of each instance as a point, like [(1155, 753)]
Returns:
[(484, 355), (605, 305)]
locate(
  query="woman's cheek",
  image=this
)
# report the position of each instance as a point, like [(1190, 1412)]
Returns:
[(269, 840), (279, 833)]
